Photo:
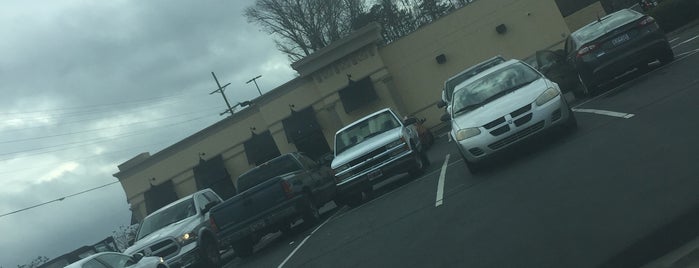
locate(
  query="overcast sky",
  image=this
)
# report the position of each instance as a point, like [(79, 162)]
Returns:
[(86, 85)]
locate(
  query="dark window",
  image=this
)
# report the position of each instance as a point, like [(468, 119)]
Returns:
[(357, 94), (261, 148), (278, 166), (303, 130), (159, 195), (213, 174)]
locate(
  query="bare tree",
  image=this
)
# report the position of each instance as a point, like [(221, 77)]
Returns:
[(123, 235), (431, 10), (304, 26), (39, 260)]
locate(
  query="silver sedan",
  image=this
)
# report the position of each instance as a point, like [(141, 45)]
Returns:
[(503, 106)]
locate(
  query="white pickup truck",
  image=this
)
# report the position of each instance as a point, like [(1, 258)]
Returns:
[(374, 148)]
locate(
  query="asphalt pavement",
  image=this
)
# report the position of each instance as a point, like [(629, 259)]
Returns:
[(622, 191)]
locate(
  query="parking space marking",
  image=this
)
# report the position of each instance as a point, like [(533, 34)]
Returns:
[(440, 184), (304, 240), (686, 41), (674, 39), (687, 53), (604, 112)]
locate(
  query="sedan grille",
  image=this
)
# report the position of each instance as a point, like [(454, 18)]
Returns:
[(501, 130), (521, 111), (494, 123), (517, 136), (523, 120)]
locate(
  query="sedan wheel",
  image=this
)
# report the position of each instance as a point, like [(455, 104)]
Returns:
[(587, 88)]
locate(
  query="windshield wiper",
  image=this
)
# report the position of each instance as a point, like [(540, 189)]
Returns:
[(520, 85), (468, 107)]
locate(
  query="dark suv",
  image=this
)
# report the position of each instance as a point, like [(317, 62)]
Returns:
[(606, 48)]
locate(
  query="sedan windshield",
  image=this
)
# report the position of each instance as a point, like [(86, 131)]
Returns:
[(368, 128), (482, 90), (160, 219)]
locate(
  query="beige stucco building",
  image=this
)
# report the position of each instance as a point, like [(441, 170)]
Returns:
[(304, 113)]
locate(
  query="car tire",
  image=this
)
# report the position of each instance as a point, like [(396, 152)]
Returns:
[(571, 124), (210, 255), (311, 215), (472, 167), (244, 247), (420, 166), (285, 228), (587, 89), (667, 56)]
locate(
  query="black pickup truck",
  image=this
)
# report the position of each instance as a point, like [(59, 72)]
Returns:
[(270, 198)]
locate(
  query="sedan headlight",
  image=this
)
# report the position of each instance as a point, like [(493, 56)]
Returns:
[(547, 96), (466, 133), (187, 238)]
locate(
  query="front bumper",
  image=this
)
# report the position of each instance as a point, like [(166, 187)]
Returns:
[(514, 130), (188, 256), (376, 172)]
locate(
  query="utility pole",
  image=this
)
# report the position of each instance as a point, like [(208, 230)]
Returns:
[(254, 80), (221, 89)]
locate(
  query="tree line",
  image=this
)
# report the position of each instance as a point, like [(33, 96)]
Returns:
[(301, 27)]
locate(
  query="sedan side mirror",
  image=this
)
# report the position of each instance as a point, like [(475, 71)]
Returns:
[(445, 118), (441, 104), (137, 257)]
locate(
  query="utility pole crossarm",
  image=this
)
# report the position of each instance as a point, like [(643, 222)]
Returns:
[(221, 89)]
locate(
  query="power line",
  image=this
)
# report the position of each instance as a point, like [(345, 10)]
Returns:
[(99, 129), (57, 199), (90, 141), (183, 96)]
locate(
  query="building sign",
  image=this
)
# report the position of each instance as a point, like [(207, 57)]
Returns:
[(340, 66)]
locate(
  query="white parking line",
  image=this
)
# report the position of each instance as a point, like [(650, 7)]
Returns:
[(673, 40), (686, 41), (687, 52), (604, 112), (440, 184), (304, 241)]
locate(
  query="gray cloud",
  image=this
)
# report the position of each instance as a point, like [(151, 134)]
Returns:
[(87, 85)]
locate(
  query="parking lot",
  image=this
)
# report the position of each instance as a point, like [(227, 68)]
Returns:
[(597, 197)]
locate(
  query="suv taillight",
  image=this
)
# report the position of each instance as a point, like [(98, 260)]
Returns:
[(214, 227), (647, 20), (287, 189), (586, 50)]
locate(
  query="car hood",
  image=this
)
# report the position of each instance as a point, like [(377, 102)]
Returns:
[(173, 230), (501, 106), (367, 146)]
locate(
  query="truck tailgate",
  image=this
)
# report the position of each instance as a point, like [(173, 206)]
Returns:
[(248, 204)]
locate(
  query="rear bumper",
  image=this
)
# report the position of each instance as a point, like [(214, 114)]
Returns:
[(266, 222), (600, 68)]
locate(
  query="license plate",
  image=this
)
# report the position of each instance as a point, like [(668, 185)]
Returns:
[(258, 225), (374, 174), (620, 39)]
